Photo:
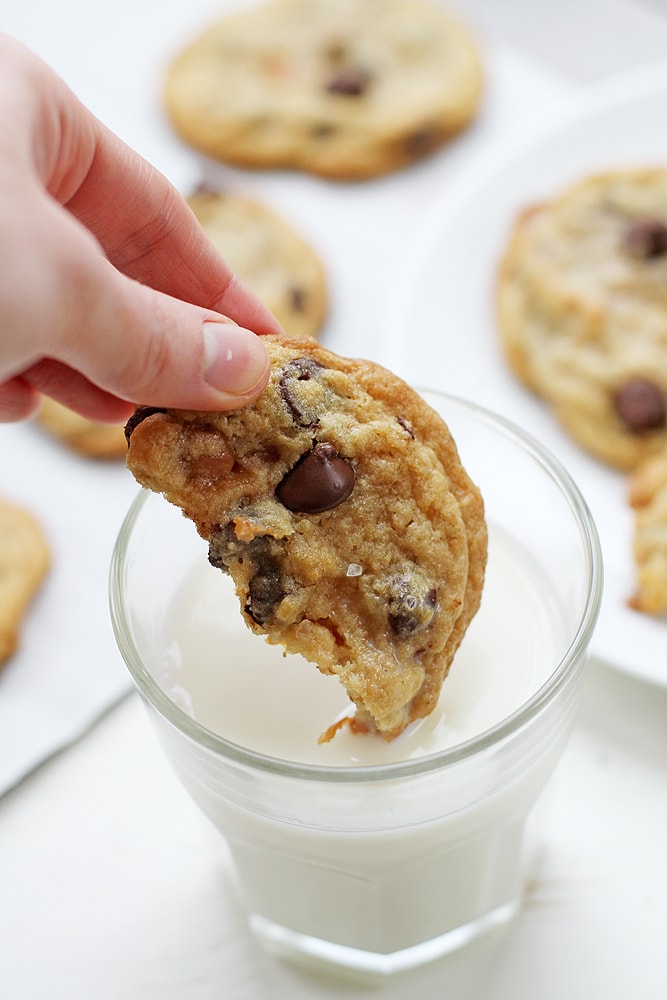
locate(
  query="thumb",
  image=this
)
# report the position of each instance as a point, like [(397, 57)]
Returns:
[(145, 346)]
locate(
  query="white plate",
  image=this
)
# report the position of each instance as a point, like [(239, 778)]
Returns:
[(442, 332)]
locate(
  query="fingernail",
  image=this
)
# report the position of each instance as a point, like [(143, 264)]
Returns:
[(235, 360)]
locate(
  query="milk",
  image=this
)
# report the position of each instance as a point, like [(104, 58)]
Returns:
[(373, 872), (241, 687)]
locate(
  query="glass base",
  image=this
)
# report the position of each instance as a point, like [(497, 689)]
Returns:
[(303, 948)]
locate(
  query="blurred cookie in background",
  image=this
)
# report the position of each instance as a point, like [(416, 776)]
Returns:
[(582, 311), (24, 562), (86, 437), (347, 90), (648, 498), (269, 256)]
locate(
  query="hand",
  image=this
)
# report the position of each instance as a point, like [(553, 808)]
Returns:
[(109, 292)]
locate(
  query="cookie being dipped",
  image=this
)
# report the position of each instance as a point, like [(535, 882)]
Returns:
[(338, 504), (89, 438)]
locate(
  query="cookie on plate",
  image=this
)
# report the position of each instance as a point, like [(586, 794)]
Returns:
[(648, 497), (346, 90), (87, 437), (582, 310), (338, 504), (24, 561), (269, 256)]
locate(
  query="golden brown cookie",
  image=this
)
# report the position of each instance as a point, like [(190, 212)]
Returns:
[(269, 256), (24, 561), (338, 504), (346, 90), (648, 497), (582, 309), (87, 437)]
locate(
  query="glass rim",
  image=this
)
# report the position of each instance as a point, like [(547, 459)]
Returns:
[(154, 694)]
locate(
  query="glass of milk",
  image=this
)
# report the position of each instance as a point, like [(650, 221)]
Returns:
[(360, 853)]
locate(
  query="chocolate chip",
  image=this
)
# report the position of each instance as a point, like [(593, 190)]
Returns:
[(265, 592), (406, 426), (646, 239), (422, 141), (266, 587), (411, 602), (224, 548), (349, 81), (297, 298), (641, 406), (320, 481), (336, 50), (138, 416), (323, 130), (299, 370)]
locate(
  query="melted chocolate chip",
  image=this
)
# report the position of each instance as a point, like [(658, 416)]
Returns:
[(140, 414), (224, 548), (349, 81), (646, 239), (319, 481), (265, 592), (406, 426), (411, 602), (641, 405), (299, 370), (266, 587)]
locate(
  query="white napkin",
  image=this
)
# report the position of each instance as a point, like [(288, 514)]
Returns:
[(67, 670)]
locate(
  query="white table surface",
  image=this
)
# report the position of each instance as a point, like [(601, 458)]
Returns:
[(111, 882)]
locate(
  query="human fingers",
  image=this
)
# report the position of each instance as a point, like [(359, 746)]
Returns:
[(143, 224), (69, 387), (156, 238), (18, 400), (139, 344)]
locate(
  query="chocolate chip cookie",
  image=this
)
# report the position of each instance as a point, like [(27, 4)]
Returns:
[(269, 256), (347, 89), (648, 498), (24, 561), (86, 437), (339, 505), (582, 309)]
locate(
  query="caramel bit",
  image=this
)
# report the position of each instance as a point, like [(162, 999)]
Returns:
[(206, 455), (351, 721), (209, 468), (245, 529)]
